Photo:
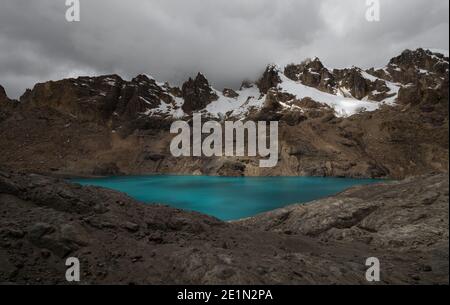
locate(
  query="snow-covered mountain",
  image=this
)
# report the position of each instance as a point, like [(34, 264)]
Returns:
[(384, 122), (344, 91)]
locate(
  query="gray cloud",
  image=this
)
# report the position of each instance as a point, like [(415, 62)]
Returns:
[(228, 40)]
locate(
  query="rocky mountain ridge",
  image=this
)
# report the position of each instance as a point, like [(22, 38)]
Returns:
[(390, 122), (143, 95)]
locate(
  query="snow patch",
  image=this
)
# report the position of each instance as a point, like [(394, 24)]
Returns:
[(248, 99), (440, 51), (343, 106)]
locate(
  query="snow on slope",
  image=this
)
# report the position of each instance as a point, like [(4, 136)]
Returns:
[(393, 87), (343, 106), (248, 99), (251, 99), (440, 51), (174, 110)]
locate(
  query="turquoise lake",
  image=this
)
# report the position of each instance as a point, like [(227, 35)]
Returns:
[(227, 198)]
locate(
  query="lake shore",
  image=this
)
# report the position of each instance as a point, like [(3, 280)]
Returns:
[(226, 198), (119, 240)]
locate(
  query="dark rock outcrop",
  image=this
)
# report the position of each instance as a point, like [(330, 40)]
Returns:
[(352, 80), (197, 94), (90, 99), (7, 105), (312, 73), (349, 82), (100, 99), (270, 79), (415, 66), (3, 96), (230, 93), (142, 94), (410, 62)]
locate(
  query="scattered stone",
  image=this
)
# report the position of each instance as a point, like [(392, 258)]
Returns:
[(132, 227)]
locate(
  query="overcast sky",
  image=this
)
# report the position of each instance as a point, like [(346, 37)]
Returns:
[(228, 40)]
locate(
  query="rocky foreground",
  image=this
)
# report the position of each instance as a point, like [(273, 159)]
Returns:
[(120, 241)]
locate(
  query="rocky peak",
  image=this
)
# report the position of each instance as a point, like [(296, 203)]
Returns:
[(421, 59), (353, 80), (143, 79), (146, 86), (86, 98), (425, 74), (3, 96), (201, 79), (197, 94), (2, 93), (412, 66), (295, 71), (312, 73), (138, 96), (314, 65), (99, 99), (230, 93), (6, 105), (270, 79)]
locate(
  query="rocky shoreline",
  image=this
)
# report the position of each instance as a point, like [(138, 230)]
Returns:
[(118, 240)]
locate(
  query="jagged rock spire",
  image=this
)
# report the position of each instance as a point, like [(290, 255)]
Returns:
[(270, 79), (3, 95), (197, 94)]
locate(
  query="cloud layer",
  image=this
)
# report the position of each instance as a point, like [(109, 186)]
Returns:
[(228, 40)]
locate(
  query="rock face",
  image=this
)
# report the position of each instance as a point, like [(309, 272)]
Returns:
[(3, 96), (269, 79), (6, 105), (374, 215), (100, 99), (120, 241), (354, 81), (230, 93), (197, 94), (423, 61), (312, 73), (347, 82)]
